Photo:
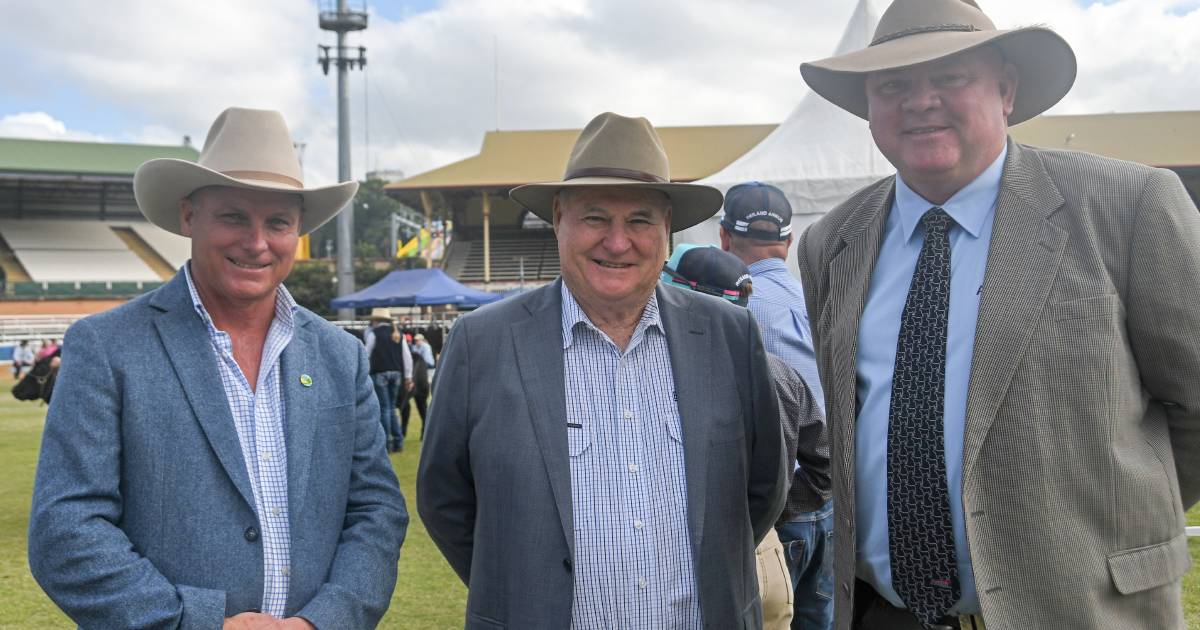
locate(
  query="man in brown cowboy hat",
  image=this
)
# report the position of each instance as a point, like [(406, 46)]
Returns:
[(604, 452), (1007, 341), (213, 454)]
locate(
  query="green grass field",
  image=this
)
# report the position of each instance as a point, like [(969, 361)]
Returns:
[(428, 595)]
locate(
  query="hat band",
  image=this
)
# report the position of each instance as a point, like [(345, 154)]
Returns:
[(917, 30), (620, 173), (265, 176)]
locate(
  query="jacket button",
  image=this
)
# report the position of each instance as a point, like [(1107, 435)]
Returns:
[(567, 564), (251, 533)]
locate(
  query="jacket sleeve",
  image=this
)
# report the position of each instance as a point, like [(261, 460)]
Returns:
[(767, 479), (77, 550), (362, 577), (445, 482), (1162, 318), (805, 436)]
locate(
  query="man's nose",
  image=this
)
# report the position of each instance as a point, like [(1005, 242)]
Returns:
[(617, 239), (923, 96)]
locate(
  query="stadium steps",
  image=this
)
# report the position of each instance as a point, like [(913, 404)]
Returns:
[(138, 246), (13, 271)]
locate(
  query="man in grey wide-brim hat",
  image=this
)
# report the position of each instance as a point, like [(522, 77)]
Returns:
[(213, 456), (604, 452), (1007, 341)]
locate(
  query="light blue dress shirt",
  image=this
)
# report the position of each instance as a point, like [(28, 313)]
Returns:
[(633, 560), (258, 417), (778, 306), (973, 209)]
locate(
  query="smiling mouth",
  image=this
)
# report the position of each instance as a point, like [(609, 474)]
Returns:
[(921, 131), (611, 265), (249, 266)]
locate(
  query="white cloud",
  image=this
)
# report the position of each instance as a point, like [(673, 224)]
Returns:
[(41, 126), (165, 69)]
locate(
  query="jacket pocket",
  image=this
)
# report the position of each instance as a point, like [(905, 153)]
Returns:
[(1144, 568)]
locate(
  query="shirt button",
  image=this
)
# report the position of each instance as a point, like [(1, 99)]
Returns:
[(267, 455), (628, 414), (633, 468), (285, 571), (642, 583), (638, 524), (251, 534), (276, 511)]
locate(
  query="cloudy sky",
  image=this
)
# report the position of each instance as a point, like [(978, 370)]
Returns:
[(442, 72)]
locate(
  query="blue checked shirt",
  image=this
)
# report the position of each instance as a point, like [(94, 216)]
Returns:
[(258, 418), (633, 558), (777, 303)]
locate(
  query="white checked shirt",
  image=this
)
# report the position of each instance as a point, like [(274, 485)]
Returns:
[(258, 418), (633, 558)]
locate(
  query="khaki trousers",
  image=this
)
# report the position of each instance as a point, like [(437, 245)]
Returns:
[(774, 583)]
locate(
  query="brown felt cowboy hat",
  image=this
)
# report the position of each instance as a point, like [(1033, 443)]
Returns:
[(912, 32), (245, 148), (615, 150)]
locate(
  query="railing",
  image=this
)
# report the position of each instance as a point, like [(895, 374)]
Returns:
[(34, 327), (1193, 531)]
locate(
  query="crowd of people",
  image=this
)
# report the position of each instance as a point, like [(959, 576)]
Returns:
[(976, 408)]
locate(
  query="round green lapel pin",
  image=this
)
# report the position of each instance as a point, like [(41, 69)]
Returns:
[(306, 380)]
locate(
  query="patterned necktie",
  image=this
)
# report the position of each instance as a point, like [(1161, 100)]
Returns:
[(921, 537)]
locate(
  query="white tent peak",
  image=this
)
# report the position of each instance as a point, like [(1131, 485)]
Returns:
[(818, 156)]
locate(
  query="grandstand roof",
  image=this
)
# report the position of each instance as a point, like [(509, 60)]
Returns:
[(66, 157), (511, 158)]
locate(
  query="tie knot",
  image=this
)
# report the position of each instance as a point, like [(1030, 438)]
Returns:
[(936, 221)]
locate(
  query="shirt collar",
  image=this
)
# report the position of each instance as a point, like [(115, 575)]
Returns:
[(968, 207), (767, 264), (285, 305), (573, 315)]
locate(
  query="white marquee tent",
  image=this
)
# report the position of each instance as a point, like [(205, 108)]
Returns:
[(818, 156)]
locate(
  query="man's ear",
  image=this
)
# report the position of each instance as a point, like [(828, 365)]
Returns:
[(725, 244), (1009, 78), (187, 212)]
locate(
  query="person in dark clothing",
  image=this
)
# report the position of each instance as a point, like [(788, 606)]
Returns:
[(391, 371), (422, 362)]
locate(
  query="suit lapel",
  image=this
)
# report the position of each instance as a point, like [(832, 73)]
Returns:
[(849, 280), (189, 349), (300, 403), (1023, 259), (691, 351), (537, 342)]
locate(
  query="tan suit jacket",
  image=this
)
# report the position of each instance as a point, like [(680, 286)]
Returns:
[(1082, 441)]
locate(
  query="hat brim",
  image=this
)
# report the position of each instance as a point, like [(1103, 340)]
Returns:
[(1046, 66), (159, 184), (690, 203)]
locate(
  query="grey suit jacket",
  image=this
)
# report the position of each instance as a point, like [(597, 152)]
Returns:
[(494, 489), (142, 508), (1082, 442)]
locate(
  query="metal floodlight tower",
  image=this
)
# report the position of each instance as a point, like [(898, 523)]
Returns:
[(341, 22)]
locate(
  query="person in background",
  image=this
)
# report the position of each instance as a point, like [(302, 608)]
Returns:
[(422, 364), (23, 358), (709, 270), (757, 228), (391, 370)]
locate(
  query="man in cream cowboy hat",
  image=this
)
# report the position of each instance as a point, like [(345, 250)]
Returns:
[(604, 452), (1007, 341), (213, 456)]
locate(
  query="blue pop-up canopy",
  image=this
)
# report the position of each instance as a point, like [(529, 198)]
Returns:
[(416, 287)]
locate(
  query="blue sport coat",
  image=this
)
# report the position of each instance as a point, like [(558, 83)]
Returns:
[(143, 516)]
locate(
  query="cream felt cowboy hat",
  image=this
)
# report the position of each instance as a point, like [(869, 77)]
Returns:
[(245, 148), (911, 32), (614, 150), (380, 314)]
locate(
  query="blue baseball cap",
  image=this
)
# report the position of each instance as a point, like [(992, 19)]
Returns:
[(707, 269), (755, 201)]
